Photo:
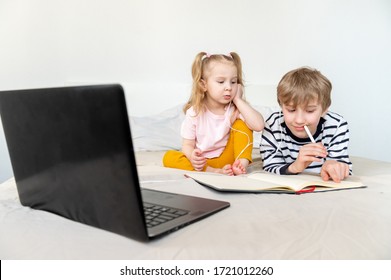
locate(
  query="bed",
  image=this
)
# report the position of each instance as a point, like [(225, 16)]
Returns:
[(351, 224)]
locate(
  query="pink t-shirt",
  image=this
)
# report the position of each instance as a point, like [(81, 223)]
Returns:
[(210, 131)]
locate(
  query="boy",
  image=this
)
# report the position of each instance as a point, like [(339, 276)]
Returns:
[(286, 148)]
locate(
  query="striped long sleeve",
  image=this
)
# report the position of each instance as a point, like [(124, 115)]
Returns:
[(279, 147)]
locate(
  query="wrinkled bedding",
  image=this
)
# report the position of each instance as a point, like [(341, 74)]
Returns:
[(350, 224)]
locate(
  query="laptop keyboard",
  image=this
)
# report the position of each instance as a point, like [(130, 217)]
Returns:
[(158, 214)]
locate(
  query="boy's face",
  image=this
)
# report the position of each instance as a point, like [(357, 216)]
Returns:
[(297, 117)]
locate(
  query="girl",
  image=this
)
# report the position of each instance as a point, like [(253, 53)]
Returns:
[(217, 130)]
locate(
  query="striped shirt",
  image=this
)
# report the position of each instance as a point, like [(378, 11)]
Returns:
[(279, 147)]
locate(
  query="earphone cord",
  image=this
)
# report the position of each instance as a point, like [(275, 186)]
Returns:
[(248, 142), (248, 137)]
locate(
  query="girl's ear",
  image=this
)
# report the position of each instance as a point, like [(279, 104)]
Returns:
[(203, 85)]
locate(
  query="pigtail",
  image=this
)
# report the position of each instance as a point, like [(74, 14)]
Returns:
[(197, 93), (238, 63)]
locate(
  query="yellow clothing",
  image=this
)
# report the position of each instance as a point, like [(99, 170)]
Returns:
[(239, 143)]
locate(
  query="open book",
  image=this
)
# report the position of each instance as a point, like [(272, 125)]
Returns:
[(271, 183)]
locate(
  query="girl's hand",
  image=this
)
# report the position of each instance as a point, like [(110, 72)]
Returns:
[(308, 154), (238, 95), (252, 117), (197, 160)]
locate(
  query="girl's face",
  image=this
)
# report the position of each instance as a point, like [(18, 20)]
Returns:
[(220, 83), (296, 117)]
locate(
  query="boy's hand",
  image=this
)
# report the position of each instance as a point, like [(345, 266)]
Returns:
[(307, 154), (334, 170), (197, 160)]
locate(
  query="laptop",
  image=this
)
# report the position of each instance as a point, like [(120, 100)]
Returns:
[(72, 154)]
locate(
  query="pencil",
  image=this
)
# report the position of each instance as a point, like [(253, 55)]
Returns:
[(309, 134)]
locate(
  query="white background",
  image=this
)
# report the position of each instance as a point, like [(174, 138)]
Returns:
[(148, 46), (282, 269)]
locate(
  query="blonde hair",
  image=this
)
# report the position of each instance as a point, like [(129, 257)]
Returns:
[(200, 68), (301, 86)]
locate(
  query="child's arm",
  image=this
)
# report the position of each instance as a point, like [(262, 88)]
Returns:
[(338, 146), (308, 154), (252, 117), (194, 155), (271, 151), (334, 170), (338, 165), (273, 145)]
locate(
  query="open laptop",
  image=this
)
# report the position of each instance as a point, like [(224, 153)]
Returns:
[(72, 154)]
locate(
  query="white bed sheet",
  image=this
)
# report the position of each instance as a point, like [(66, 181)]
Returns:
[(353, 224)]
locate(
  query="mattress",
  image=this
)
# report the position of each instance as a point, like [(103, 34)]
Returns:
[(351, 224)]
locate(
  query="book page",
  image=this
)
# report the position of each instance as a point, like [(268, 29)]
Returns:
[(301, 181), (263, 181), (235, 183)]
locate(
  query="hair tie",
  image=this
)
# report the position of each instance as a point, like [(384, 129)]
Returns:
[(207, 55)]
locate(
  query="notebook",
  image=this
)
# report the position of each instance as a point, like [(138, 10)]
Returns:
[(72, 154)]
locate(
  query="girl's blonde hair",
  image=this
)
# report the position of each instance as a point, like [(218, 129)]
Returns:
[(303, 85), (200, 68)]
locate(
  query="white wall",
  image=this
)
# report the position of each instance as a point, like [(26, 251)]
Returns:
[(148, 46)]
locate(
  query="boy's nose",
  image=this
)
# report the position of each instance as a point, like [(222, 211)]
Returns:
[(299, 118)]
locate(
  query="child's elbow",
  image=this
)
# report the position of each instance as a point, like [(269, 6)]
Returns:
[(258, 127)]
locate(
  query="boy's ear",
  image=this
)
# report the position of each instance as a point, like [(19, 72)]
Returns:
[(325, 111)]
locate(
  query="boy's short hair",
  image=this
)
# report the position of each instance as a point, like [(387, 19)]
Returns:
[(301, 86)]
